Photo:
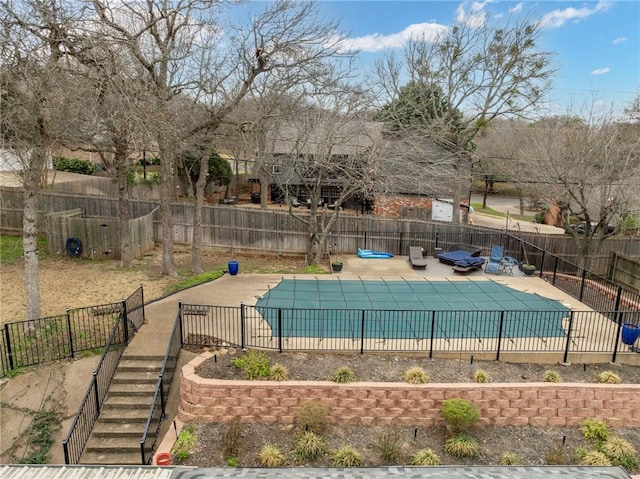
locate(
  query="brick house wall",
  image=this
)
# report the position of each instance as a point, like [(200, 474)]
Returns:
[(517, 404), (391, 206)]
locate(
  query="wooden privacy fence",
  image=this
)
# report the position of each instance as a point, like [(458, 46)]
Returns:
[(274, 230), (625, 270)]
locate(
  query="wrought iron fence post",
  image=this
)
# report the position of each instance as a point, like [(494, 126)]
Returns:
[(500, 329), (582, 283), (362, 319), (433, 330), (70, 332), (243, 330), (180, 322), (96, 395), (617, 338), (162, 398), (555, 270), (542, 261), (280, 329), (142, 300), (125, 319), (65, 448), (7, 337), (566, 348)]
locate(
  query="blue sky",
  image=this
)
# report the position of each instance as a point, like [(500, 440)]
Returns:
[(597, 43)]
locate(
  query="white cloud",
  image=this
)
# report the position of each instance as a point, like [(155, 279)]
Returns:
[(558, 18), (475, 17), (376, 42), (600, 71), (517, 9), (619, 40)]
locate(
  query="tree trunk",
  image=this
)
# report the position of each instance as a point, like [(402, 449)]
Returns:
[(196, 260), (166, 188), (124, 227)]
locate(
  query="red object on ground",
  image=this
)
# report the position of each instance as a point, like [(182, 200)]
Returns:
[(163, 459)]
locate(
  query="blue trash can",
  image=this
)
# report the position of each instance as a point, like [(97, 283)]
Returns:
[(234, 266)]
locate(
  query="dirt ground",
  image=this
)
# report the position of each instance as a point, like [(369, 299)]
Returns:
[(547, 442)]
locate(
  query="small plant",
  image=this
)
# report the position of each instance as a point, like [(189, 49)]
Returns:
[(390, 443), (185, 442), (232, 461), (608, 377), (254, 364), (415, 375), (308, 446), (595, 430), (462, 446), (343, 375), (511, 459), (481, 376), (595, 458), (232, 438), (346, 456), (557, 455), (425, 457), (616, 448), (459, 414), (39, 437), (551, 376), (580, 453), (278, 372), (270, 456), (312, 416)]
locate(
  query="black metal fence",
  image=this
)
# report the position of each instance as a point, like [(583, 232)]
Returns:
[(157, 411), (122, 332), (26, 343), (426, 332)]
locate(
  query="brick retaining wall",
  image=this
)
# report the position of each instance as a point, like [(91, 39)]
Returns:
[(518, 404)]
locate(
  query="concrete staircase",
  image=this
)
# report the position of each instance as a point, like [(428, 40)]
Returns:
[(115, 438)]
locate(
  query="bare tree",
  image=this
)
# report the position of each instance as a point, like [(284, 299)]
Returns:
[(480, 73)]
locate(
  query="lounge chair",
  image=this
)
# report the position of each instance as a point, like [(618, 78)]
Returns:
[(416, 258), (468, 264), (494, 265), (458, 252)]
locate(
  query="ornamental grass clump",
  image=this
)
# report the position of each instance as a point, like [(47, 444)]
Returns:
[(621, 453), (595, 458), (462, 445), (389, 443), (608, 377), (595, 430), (415, 375), (481, 376), (511, 459), (343, 375), (425, 457), (551, 376), (278, 372), (459, 414), (270, 456), (308, 445), (312, 416), (346, 456)]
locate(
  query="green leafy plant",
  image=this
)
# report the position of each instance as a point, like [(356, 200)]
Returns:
[(181, 449), (415, 375), (232, 461), (346, 456), (389, 443), (459, 414), (511, 459), (38, 437), (595, 430), (278, 372), (462, 445), (551, 376), (232, 439), (74, 165), (270, 456), (254, 364), (308, 445), (425, 457), (608, 377), (481, 376), (595, 458), (195, 280), (312, 416), (620, 452), (343, 375), (314, 269)]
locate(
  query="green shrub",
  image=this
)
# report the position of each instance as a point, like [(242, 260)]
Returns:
[(73, 165), (254, 364), (346, 456), (462, 446), (595, 458), (389, 443), (425, 457), (551, 376), (308, 445), (232, 439), (233, 462), (620, 453), (511, 459), (595, 430), (608, 377), (459, 414), (415, 375), (481, 376), (343, 375), (185, 442), (278, 372), (270, 456), (312, 416)]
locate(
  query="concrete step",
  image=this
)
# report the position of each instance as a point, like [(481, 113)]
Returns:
[(139, 357), (135, 377), (113, 444), (127, 402), (142, 365), (132, 389), (127, 416), (132, 430), (104, 458)]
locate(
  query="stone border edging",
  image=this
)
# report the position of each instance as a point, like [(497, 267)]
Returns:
[(367, 403)]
